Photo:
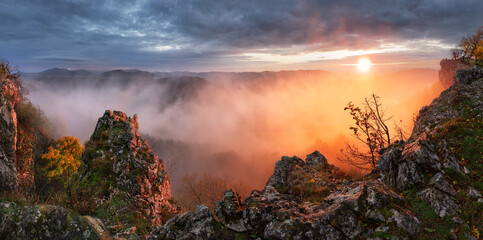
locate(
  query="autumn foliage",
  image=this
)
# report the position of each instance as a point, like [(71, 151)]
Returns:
[(63, 159)]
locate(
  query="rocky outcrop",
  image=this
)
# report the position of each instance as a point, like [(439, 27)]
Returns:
[(199, 224), (343, 210), (122, 175), (9, 96), (420, 164), (463, 98), (448, 71), (47, 222), (468, 76), (442, 159)]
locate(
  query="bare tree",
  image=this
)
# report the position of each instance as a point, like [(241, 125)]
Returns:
[(371, 130), (457, 53)]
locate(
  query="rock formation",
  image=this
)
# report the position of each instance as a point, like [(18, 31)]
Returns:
[(9, 96), (122, 175), (448, 71), (285, 210), (431, 164)]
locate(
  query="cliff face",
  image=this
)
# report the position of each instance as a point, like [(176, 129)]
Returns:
[(9, 96), (448, 71), (122, 175), (427, 187)]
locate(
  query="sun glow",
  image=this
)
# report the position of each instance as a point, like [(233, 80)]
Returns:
[(364, 64)]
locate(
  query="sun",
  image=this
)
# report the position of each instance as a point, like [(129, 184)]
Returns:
[(364, 64)]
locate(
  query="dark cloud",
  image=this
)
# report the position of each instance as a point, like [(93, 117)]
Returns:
[(194, 32)]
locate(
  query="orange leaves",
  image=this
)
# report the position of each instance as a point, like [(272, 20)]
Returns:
[(63, 159)]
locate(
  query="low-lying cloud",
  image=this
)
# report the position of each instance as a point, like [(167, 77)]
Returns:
[(222, 123)]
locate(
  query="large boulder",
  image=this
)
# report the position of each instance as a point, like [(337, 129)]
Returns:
[(47, 222), (199, 224)]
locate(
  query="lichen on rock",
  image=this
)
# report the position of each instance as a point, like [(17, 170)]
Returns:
[(123, 176), (47, 222), (443, 155), (346, 210)]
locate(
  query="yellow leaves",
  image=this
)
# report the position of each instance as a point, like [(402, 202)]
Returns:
[(63, 159), (475, 232)]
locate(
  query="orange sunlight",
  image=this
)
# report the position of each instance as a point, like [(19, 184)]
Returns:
[(364, 64)]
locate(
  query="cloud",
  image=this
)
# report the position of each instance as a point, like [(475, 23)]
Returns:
[(206, 33)]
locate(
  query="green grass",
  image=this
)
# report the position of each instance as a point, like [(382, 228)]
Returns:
[(383, 235), (464, 136), (306, 184), (457, 177), (433, 227)]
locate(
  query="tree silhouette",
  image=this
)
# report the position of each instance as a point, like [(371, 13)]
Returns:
[(371, 130)]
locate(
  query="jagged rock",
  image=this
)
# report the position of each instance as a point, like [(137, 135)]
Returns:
[(468, 76), (47, 222), (442, 202), (199, 224), (316, 159), (439, 182), (9, 96), (282, 168), (407, 165), (344, 213), (127, 234), (118, 156), (341, 215), (450, 104), (472, 192), (427, 165), (408, 223), (228, 211)]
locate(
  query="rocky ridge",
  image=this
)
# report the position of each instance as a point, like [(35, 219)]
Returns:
[(440, 163), (343, 209)]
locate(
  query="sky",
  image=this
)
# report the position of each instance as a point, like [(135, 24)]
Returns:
[(227, 35)]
